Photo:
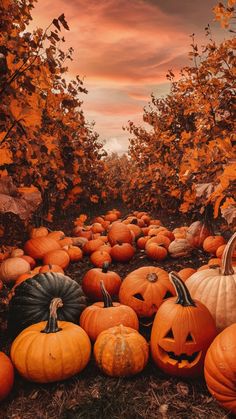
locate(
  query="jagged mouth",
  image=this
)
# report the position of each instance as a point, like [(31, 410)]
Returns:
[(183, 360)]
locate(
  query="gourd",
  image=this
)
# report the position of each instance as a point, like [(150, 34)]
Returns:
[(51, 350)]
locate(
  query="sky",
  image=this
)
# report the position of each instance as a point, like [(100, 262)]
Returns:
[(123, 50)]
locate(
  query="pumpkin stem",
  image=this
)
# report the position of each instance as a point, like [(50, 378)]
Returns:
[(52, 326), (152, 277), (106, 296), (227, 267), (183, 295), (105, 267)]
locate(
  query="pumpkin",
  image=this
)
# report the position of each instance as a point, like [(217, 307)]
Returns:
[(30, 260), (66, 241), (56, 235), (99, 257), (92, 278), (103, 315), (82, 232), (155, 252), (211, 243), (141, 242), (111, 216), (220, 368), (179, 248), (57, 257), (97, 228), (75, 253), (220, 251), (6, 376), (197, 233), (119, 233), (182, 331), (92, 245), (216, 288), (122, 252), (145, 289), (185, 273), (38, 232), (51, 268), (11, 268), (32, 298), (159, 239), (121, 351), (17, 253), (38, 247), (105, 248), (135, 229), (51, 351)]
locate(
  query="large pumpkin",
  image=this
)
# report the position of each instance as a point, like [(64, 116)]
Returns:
[(220, 368), (51, 351), (121, 351), (103, 315), (216, 288), (6, 376), (182, 331), (32, 298), (37, 247), (145, 289)]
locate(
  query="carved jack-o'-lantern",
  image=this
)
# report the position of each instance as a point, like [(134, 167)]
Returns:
[(182, 331), (145, 289)]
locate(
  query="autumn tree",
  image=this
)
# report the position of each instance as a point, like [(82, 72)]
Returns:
[(45, 140)]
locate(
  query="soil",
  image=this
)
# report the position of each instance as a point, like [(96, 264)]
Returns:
[(90, 394)]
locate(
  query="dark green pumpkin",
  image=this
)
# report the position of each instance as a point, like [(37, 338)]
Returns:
[(32, 299)]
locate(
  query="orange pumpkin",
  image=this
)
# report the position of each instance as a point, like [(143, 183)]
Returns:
[(57, 257), (185, 273), (38, 232), (51, 268), (6, 376), (99, 257), (211, 243), (119, 233), (30, 260), (75, 253), (103, 315), (37, 247), (155, 252), (92, 278), (122, 252), (145, 289), (92, 245), (159, 239)]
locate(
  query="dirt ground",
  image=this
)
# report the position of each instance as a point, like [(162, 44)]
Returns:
[(90, 394)]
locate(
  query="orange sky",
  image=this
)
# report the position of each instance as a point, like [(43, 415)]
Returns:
[(123, 50)]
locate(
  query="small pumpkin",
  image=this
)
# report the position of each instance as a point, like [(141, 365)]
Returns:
[(13, 267), (185, 273), (56, 235), (57, 257), (119, 233), (121, 351), (216, 288), (182, 331), (122, 252), (211, 243), (75, 253), (92, 278), (92, 245), (103, 315), (37, 247), (99, 257), (51, 268), (38, 232), (159, 239), (220, 368), (51, 351), (32, 298), (6, 376), (17, 253), (145, 289), (155, 252)]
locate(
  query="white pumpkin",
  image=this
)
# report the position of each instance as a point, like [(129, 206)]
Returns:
[(216, 288)]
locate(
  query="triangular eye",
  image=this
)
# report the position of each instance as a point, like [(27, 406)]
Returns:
[(138, 296), (167, 295), (189, 338), (169, 334)]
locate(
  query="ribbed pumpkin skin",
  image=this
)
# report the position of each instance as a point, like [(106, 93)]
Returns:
[(119, 233), (32, 298), (121, 351), (6, 376), (45, 358), (39, 246), (91, 283), (220, 368), (152, 293), (96, 318)]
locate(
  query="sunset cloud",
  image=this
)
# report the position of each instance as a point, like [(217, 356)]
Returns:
[(124, 49)]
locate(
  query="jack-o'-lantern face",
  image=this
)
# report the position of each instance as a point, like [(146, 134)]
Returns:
[(145, 289), (181, 334)]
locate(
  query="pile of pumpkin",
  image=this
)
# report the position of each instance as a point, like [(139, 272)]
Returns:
[(194, 312)]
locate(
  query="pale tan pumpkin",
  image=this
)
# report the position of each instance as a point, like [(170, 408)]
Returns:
[(12, 268)]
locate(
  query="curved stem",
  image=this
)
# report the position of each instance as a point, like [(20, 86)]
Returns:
[(227, 267), (183, 295), (105, 267), (106, 296), (52, 326)]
